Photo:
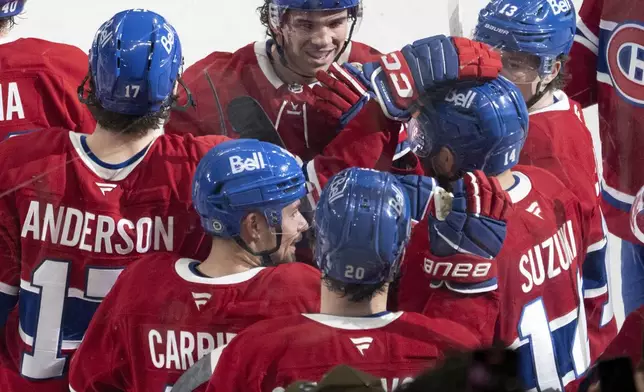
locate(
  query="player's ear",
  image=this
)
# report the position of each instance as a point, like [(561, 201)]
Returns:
[(252, 227)]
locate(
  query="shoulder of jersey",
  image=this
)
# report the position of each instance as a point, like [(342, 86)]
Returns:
[(295, 272), (542, 181), (188, 146), (363, 53), (217, 61), (42, 146), (438, 330), (34, 52)]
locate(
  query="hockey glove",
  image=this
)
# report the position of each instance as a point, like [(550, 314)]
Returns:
[(343, 92), (466, 231), (475, 222), (400, 77)]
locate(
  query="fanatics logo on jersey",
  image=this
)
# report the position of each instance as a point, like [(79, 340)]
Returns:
[(362, 344), (625, 57), (105, 187), (201, 299), (535, 210)]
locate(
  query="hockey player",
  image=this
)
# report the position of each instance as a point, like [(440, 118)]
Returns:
[(166, 312), (542, 314), (362, 223), (606, 69), (38, 81), (306, 36), (76, 209), (534, 38)]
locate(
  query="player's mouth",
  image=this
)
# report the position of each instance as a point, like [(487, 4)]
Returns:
[(320, 57)]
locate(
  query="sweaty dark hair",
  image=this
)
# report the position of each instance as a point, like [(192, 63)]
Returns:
[(6, 24), (353, 291), (264, 17), (562, 78), (125, 123)]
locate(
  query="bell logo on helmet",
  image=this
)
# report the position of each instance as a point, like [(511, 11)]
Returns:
[(240, 165), (625, 55), (397, 202), (168, 41), (559, 6), (338, 186), (461, 99), (106, 35)]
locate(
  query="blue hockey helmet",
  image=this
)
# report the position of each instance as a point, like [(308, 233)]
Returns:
[(544, 28), (135, 62), (484, 126), (9, 8), (241, 176), (362, 226), (277, 8)]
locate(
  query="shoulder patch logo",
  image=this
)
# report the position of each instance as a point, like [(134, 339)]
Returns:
[(625, 58)]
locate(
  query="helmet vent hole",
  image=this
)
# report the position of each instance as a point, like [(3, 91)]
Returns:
[(118, 44), (118, 62)]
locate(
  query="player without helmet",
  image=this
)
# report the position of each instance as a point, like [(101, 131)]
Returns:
[(131, 81), (534, 37), (309, 34), (248, 195)]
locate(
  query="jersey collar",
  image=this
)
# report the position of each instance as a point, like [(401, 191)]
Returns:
[(562, 103), (354, 323), (521, 188), (182, 268), (111, 172)]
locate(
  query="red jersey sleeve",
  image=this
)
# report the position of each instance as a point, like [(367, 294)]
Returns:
[(9, 251), (582, 65), (39, 85)]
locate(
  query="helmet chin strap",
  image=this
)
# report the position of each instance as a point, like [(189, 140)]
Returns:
[(265, 254)]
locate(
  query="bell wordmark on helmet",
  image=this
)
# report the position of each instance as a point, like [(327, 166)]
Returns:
[(241, 176), (483, 126), (135, 62), (544, 28), (362, 225)]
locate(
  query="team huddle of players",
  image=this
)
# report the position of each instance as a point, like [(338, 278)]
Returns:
[(441, 197)]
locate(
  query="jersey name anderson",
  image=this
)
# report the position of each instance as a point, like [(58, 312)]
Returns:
[(97, 233)]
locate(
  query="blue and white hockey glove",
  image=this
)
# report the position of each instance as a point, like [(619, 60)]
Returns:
[(466, 231), (400, 77)]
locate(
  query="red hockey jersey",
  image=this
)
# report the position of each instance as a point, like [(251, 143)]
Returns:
[(541, 313), (161, 317), (38, 87), (396, 347), (560, 142), (607, 67), (249, 72), (70, 224)]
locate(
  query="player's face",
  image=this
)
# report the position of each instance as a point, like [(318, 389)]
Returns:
[(312, 40), (523, 70), (293, 227)]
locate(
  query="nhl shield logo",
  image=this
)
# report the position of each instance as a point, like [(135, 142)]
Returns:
[(625, 58)]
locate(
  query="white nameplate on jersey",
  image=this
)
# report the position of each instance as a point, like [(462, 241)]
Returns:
[(460, 99), (443, 203), (240, 165)]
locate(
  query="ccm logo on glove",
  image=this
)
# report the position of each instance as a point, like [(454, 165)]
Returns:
[(399, 80)]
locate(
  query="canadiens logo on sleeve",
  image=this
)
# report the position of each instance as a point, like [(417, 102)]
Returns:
[(625, 58)]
